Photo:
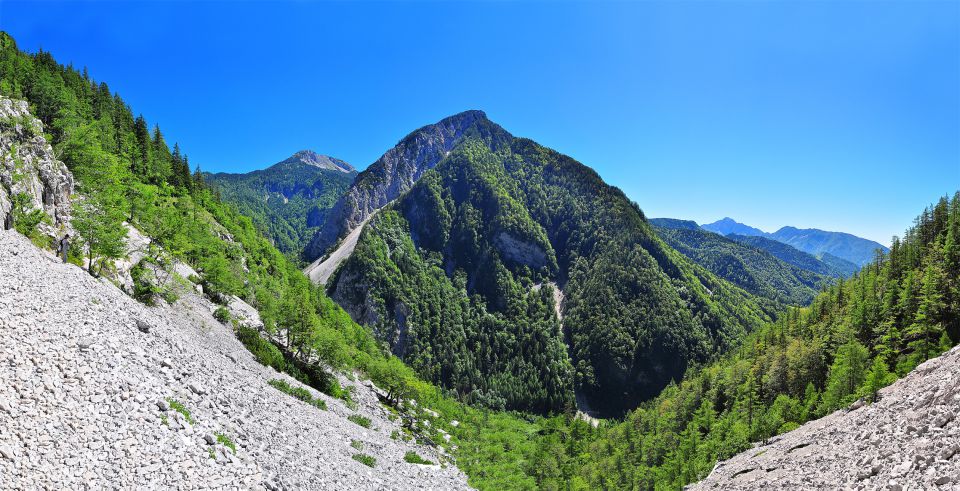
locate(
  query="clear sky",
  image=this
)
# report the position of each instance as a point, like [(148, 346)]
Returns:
[(840, 116)]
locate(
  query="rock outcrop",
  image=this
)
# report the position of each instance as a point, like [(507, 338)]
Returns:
[(392, 175), (101, 392), (29, 167), (909, 439)]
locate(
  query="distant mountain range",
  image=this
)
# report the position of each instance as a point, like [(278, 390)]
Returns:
[(857, 250), (289, 200)]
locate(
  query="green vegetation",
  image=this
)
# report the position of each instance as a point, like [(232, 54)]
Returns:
[(298, 392), (222, 314), (454, 277), (856, 337), (226, 442), (365, 459), (357, 444), (827, 264), (413, 458), (438, 265), (298, 196), (777, 283), (180, 408), (360, 420)]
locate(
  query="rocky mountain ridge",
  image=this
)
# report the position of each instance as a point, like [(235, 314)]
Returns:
[(391, 175)]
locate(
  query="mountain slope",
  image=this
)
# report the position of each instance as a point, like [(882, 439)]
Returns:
[(446, 276), (827, 264), (103, 369), (289, 200), (849, 247), (392, 175), (843, 245), (910, 437), (750, 268)]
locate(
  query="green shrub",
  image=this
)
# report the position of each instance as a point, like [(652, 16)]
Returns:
[(144, 291), (180, 408), (360, 420), (298, 392), (264, 351), (357, 444), (365, 459), (226, 442), (222, 314), (413, 458)]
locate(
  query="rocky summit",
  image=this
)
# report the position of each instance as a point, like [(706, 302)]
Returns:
[(100, 391), (908, 439)]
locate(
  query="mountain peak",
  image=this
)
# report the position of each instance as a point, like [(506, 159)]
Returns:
[(727, 225), (311, 158)]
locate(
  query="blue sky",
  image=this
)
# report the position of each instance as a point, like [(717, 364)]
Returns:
[(840, 116)]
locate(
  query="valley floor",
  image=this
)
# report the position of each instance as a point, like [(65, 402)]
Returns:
[(909, 439), (88, 376)]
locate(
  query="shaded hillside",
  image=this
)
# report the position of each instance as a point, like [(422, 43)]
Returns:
[(445, 275), (287, 201), (748, 267), (827, 264)]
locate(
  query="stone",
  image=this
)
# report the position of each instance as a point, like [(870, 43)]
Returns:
[(163, 405), (6, 453), (210, 439), (85, 344), (166, 363), (943, 480), (143, 326), (196, 389)]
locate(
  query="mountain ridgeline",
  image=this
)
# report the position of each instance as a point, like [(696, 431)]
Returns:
[(754, 269), (857, 250), (390, 176), (460, 276), (289, 200)]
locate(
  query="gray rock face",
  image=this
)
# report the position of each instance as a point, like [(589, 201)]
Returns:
[(909, 439), (28, 166), (520, 251), (87, 400), (390, 176)]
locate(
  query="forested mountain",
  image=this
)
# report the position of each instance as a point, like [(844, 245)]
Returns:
[(675, 223), (390, 176), (753, 269), (457, 275), (855, 338), (845, 246), (840, 245), (827, 264), (728, 225), (289, 200)]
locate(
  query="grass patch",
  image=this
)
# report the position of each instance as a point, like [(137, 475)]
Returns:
[(413, 458), (222, 314), (365, 459), (180, 408), (360, 420), (297, 392), (357, 444), (226, 442), (164, 420)]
